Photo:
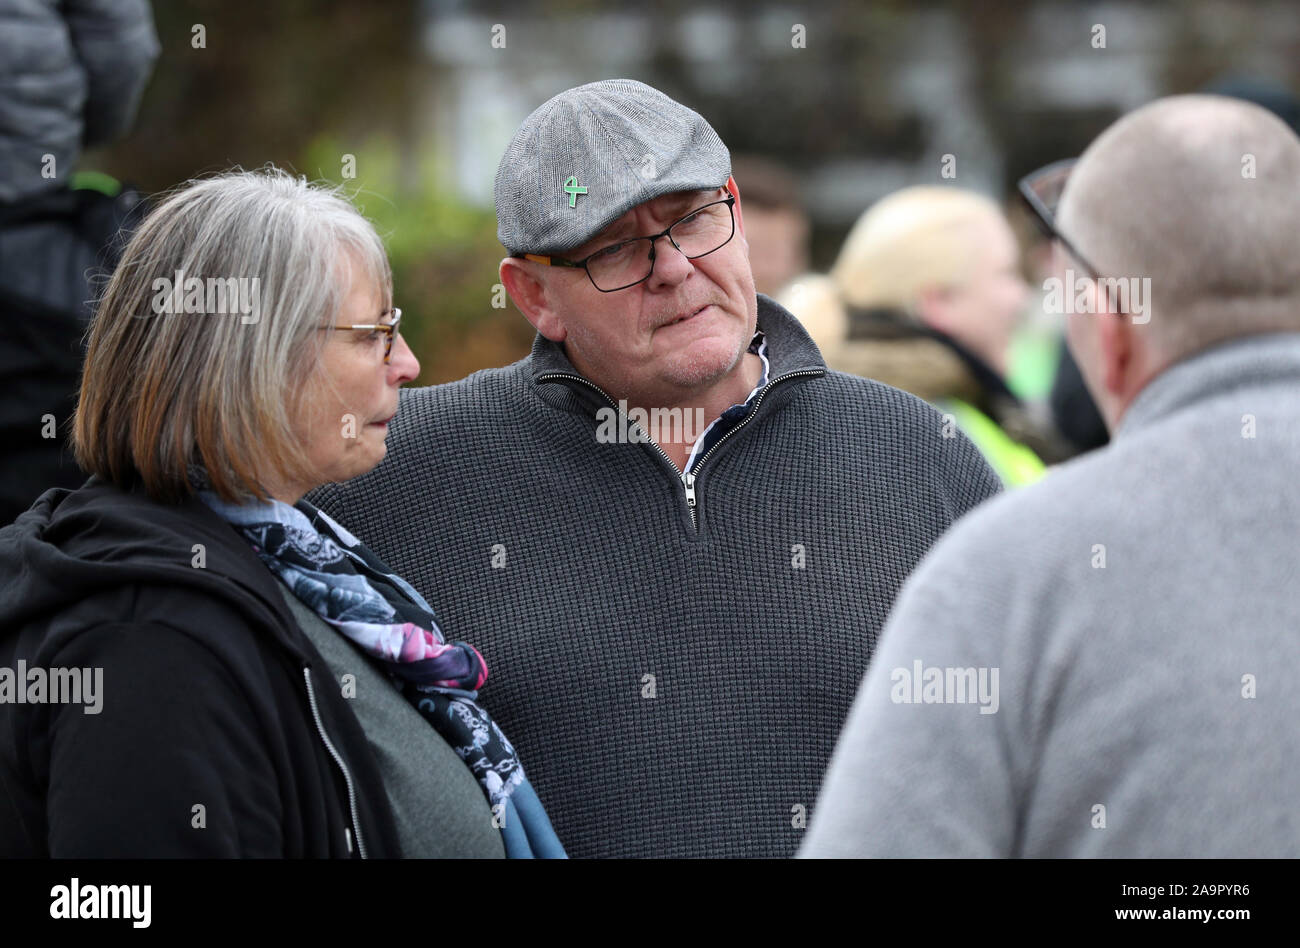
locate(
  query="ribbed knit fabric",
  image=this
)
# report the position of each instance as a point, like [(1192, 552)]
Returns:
[(576, 569)]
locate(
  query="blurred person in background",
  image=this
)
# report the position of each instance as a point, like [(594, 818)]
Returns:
[(776, 224), (266, 686), (1074, 413), (1126, 626), (71, 77), (925, 296)]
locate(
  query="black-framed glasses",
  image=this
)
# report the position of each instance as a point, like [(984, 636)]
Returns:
[(629, 262), (1041, 190), (388, 329)]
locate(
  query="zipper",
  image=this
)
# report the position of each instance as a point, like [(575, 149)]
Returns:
[(347, 777), (688, 477), (550, 376), (754, 411)]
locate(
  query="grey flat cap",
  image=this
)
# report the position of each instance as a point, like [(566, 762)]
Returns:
[(589, 155)]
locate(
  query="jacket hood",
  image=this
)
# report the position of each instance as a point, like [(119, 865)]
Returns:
[(889, 346), (71, 546)]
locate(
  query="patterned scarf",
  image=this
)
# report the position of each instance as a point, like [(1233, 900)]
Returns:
[(344, 583)]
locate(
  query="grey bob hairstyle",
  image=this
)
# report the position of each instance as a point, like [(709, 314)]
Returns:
[(206, 333)]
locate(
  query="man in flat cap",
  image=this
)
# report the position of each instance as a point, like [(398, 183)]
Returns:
[(676, 533)]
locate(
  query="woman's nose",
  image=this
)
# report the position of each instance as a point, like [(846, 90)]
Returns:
[(403, 366)]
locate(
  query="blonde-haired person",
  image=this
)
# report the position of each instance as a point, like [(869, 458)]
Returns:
[(925, 296), (256, 682)]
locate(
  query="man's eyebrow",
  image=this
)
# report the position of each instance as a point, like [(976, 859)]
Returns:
[(679, 202)]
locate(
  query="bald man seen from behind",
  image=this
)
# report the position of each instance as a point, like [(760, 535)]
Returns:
[(1103, 663)]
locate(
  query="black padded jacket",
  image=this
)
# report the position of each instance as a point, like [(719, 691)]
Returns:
[(218, 731)]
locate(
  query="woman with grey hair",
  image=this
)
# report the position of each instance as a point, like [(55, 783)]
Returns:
[(201, 662)]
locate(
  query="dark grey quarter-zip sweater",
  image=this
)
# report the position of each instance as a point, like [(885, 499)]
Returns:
[(674, 677)]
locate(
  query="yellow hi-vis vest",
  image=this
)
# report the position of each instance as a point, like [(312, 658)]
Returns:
[(1013, 462)]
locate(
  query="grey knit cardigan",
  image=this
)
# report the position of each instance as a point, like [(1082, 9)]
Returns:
[(674, 679)]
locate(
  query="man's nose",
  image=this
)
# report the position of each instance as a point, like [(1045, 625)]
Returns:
[(671, 266)]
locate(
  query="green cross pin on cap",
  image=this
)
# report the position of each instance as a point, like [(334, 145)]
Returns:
[(597, 141), (573, 190)]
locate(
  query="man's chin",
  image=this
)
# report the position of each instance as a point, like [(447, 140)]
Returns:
[(706, 363)]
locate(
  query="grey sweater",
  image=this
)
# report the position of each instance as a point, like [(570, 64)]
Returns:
[(673, 687), (1142, 607)]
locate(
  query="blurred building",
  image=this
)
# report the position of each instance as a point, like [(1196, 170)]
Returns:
[(866, 98)]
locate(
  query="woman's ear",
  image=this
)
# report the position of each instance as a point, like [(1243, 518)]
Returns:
[(528, 291), (932, 308)]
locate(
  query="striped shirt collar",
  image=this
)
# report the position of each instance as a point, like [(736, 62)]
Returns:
[(733, 415)]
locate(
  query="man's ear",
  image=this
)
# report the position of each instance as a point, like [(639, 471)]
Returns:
[(735, 192), (529, 294), (1116, 343)]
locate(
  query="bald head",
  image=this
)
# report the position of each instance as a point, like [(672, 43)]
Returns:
[(1200, 194)]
